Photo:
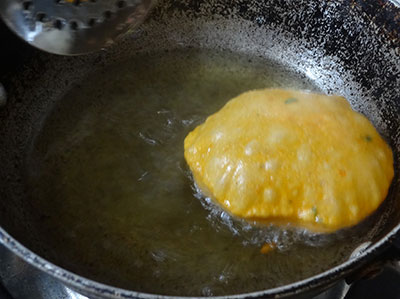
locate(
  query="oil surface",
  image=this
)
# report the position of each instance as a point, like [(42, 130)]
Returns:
[(116, 203)]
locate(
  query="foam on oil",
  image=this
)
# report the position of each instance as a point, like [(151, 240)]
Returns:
[(110, 187)]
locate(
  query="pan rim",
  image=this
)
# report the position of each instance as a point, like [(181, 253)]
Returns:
[(88, 286)]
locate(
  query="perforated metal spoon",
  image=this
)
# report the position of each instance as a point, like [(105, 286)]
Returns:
[(72, 27)]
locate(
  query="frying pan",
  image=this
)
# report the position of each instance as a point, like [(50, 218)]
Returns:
[(345, 47)]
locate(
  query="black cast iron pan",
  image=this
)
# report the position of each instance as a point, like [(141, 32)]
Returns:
[(345, 47)]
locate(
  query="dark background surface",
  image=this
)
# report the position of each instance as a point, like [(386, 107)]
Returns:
[(384, 286)]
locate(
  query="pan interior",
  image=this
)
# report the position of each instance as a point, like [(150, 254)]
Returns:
[(113, 196)]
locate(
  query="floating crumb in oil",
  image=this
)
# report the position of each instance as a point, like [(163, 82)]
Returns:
[(267, 248), (368, 138)]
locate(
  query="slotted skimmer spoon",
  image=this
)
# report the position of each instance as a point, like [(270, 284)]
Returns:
[(71, 27)]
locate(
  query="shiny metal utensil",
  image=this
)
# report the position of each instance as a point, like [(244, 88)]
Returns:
[(71, 27)]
